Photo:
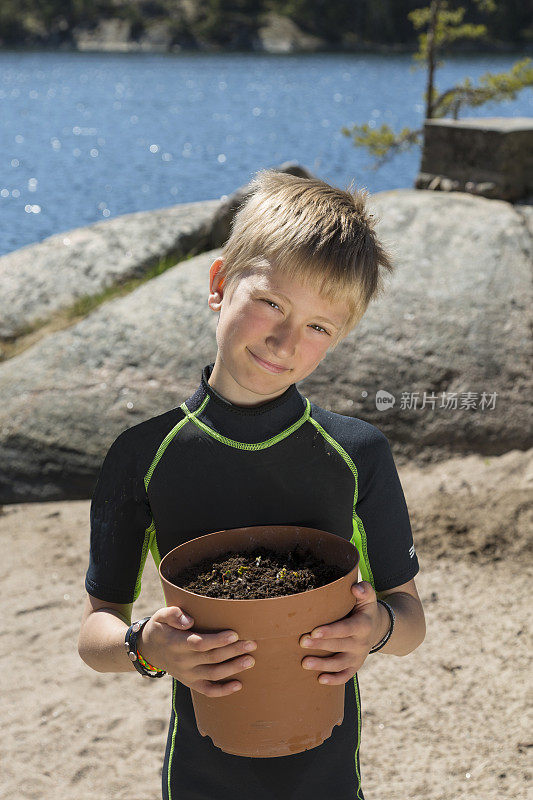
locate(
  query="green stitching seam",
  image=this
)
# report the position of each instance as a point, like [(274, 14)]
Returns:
[(168, 438), (247, 445), (157, 560), (359, 536), (147, 544), (150, 534), (174, 682), (155, 550), (357, 698)]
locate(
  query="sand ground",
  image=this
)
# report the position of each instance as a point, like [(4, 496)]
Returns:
[(447, 722)]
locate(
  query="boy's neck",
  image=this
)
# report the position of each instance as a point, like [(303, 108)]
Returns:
[(234, 393), (241, 423)]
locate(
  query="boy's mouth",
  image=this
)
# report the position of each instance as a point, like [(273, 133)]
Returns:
[(267, 364)]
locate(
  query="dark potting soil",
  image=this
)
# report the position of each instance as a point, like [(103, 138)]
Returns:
[(257, 574)]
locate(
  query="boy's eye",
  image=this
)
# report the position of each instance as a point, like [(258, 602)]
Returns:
[(320, 328)]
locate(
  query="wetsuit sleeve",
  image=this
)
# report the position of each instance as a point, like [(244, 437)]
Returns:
[(119, 517), (382, 509)]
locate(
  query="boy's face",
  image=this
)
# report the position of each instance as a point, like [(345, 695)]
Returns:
[(268, 318)]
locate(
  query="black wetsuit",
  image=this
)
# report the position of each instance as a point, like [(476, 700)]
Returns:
[(207, 465)]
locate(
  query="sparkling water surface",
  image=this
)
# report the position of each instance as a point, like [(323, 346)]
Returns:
[(89, 136)]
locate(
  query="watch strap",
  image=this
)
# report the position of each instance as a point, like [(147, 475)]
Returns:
[(130, 643)]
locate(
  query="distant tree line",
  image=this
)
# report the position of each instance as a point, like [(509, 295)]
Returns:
[(234, 22), (386, 20)]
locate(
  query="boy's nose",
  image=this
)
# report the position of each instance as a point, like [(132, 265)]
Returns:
[(282, 344)]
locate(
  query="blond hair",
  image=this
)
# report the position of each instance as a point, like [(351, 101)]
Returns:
[(315, 233)]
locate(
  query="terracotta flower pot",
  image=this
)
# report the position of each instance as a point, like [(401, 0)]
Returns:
[(281, 708)]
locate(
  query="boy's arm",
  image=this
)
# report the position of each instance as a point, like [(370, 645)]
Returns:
[(410, 623), (389, 558), (101, 637), (349, 640)]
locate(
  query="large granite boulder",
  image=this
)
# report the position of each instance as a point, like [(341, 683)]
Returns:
[(38, 280), (454, 320)]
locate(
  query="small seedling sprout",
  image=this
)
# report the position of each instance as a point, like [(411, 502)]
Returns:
[(226, 574)]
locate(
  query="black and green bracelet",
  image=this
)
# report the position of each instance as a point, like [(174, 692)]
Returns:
[(389, 632), (130, 643)]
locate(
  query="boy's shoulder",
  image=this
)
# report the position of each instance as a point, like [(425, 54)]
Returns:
[(139, 443), (151, 427), (353, 433)]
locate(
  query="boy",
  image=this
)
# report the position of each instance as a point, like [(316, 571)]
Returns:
[(296, 275)]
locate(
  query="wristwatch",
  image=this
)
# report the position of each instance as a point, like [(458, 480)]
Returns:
[(387, 636)]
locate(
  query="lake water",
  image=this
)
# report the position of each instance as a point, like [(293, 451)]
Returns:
[(88, 136)]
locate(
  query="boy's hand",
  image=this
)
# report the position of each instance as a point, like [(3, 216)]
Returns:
[(351, 638), (201, 661)]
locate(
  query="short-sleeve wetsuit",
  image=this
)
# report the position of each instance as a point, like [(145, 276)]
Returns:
[(207, 465)]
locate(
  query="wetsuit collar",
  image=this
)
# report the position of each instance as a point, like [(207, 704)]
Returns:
[(245, 423)]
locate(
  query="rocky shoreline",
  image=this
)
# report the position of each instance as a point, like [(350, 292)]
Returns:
[(274, 34)]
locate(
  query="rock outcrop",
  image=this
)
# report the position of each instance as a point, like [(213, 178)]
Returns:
[(39, 280)]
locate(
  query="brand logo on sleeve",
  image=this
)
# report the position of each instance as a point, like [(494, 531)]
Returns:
[(412, 552)]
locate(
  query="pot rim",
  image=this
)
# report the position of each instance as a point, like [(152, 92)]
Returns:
[(218, 600)]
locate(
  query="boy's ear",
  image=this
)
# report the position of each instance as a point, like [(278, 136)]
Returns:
[(216, 282)]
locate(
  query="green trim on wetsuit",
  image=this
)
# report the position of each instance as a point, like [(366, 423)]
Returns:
[(247, 445), (173, 737), (166, 441), (359, 536), (149, 535)]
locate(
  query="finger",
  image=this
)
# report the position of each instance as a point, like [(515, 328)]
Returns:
[(209, 641), (363, 592), (336, 678), (173, 616), (217, 672), (358, 622), (212, 689), (360, 625), (331, 664), (344, 645), (218, 654)]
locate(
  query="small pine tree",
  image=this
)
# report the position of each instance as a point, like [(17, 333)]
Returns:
[(443, 26)]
